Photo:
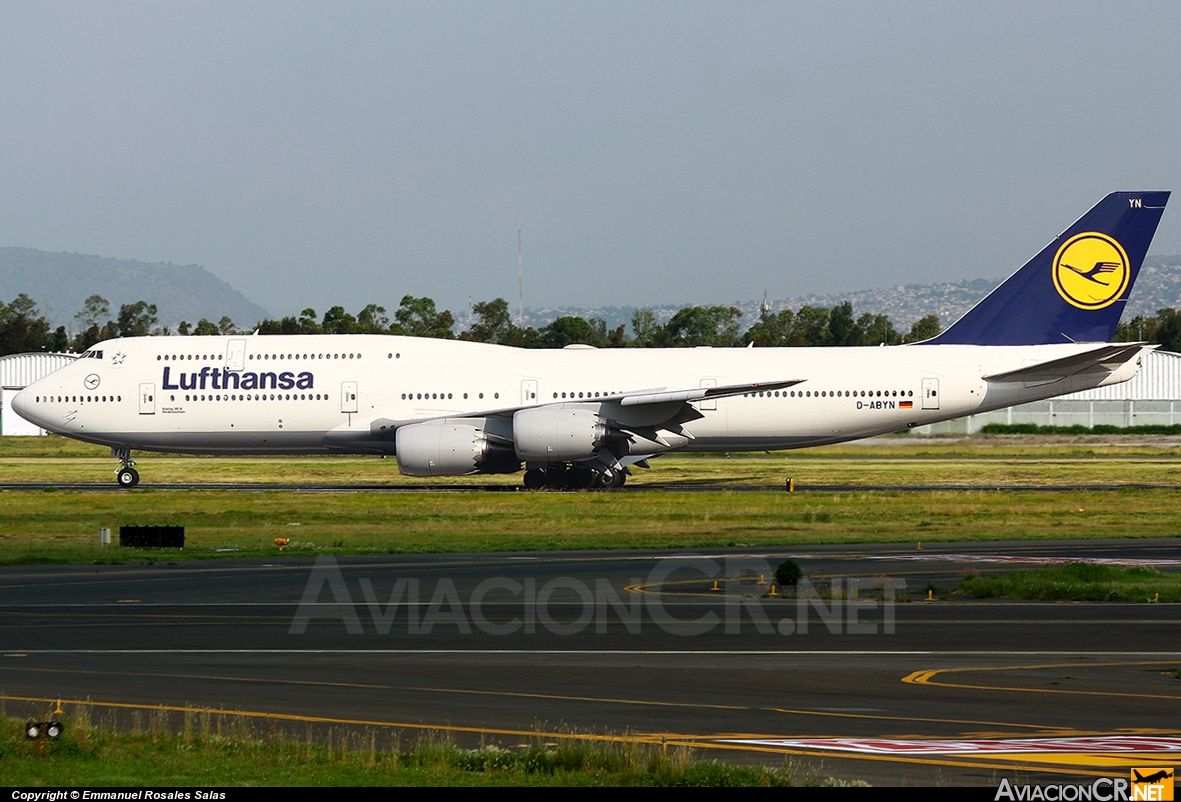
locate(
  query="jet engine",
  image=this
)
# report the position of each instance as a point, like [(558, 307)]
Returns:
[(558, 434), (452, 448)]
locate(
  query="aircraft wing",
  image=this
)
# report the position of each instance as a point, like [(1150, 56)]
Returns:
[(662, 396), (1103, 359), (634, 398), (651, 396), (639, 410)]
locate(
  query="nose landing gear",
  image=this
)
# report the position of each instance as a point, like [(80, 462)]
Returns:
[(126, 476)]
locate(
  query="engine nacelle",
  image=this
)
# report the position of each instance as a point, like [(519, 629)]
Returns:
[(451, 448), (558, 434)]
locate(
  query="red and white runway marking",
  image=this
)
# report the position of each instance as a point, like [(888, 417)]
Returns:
[(889, 746)]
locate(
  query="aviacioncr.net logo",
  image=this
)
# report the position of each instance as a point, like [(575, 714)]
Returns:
[(1091, 270)]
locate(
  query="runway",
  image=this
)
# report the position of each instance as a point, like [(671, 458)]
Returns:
[(505, 647)]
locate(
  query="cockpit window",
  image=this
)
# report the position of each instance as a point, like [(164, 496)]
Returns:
[(92, 355)]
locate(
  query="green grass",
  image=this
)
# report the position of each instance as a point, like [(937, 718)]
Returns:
[(62, 526), (1077, 582), (198, 755), (38, 527)]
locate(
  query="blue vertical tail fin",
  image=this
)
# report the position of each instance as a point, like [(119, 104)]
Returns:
[(1076, 288)]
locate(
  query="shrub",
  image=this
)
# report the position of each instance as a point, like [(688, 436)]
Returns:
[(788, 573)]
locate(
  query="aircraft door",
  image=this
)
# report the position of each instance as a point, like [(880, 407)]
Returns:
[(235, 355), (528, 392), (930, 394), (348, 396), (708, 403), (147, 398)]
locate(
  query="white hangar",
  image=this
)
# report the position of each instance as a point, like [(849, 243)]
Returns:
[(18, 371)]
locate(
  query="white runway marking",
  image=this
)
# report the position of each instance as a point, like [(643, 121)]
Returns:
[(936, 557)]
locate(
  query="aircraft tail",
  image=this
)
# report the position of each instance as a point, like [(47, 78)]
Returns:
[(1074, 290)]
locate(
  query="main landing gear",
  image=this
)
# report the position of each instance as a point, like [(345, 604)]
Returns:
[(126, 476), (574, 477)]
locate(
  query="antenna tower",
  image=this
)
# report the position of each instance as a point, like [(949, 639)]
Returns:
[(520, 284)]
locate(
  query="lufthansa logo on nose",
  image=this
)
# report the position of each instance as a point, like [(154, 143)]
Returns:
[(1091, 270), (92, 381)]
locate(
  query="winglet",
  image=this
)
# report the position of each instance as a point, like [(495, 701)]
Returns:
[(1076, 288)]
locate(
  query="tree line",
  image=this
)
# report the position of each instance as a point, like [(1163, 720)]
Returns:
[(23, 328), (1164, 328), (718, 326), (693, 326)]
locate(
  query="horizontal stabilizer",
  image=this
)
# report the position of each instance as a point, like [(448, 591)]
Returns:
[(1104, 359)]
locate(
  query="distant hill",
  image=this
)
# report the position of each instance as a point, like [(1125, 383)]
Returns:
[(1158, 286), (904, 304), (60, 282)]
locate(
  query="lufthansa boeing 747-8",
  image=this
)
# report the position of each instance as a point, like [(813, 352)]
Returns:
[(579, 416)]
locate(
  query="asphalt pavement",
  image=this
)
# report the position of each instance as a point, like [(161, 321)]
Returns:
[(871, 671)]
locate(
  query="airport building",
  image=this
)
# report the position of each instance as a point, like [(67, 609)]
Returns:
[(1152, 398), (17, 372)]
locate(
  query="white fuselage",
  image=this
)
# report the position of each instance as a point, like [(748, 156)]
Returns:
[(326, 393)]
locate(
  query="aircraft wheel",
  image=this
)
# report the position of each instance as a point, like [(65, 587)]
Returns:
[(128, 477), (605, 478), (555, 477), (580, 478), (534, 479), (620, 478)]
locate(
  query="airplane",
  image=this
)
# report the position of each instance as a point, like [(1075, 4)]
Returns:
[(1155, 777), (579, 417)]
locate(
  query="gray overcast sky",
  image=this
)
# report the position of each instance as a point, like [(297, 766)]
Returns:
[(315, 154)]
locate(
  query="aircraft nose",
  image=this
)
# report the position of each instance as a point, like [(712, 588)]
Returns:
[(21, 405)]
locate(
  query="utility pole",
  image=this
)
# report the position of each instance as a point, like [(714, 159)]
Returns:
[(520, 284)]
